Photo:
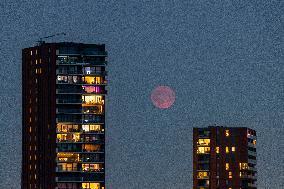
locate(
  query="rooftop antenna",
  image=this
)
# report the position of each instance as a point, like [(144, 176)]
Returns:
[(41, 40)]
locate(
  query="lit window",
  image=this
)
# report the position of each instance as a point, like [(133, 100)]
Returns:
[(202, 174), (93, 99), (227, 166), (217, 150), (254, 142), (227, 149), (227, 133), (204, 142), (92, 167), (31, 52), (90, 185), (91, 128), (230, 174), (36, 61), (233, 149), (243, 166), (203, 150)]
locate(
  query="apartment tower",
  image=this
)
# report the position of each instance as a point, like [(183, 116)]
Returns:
[(63, 116), (224, 158)]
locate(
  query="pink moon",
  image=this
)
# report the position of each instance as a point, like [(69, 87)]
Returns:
[(163, 97)]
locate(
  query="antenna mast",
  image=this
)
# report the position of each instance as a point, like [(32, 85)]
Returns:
[(41, 40)]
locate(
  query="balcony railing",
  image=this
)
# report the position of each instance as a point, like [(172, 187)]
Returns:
[(81, 82), (71, 72), (66, 90), (69, 101), (80, 62), (79, 150), (79, 169), (79, 111), (79, 121), (81, 160), (80, 72), (79, 91), (79, 131), (93, 141)]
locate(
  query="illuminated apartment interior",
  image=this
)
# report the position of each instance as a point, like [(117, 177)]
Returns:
[(224, 157), (70, 89)]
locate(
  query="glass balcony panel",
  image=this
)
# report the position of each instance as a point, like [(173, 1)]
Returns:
[(67, 128), (93, 99), (92, 128), (68, 186), (91, 186), (69, 137), (68, 157), (93, 80), (69, 147), (92, 138), (92, 148), (92, 167), (93, 89), (92, 158), (94, 109), (69, 79), (67, 167)]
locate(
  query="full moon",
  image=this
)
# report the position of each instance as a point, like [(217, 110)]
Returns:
[(163, 97)]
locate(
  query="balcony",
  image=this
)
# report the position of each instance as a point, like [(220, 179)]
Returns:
[(252, 169), (80, 62), (84, 177), (91, 160), (80, 151), (85, 90), (80, 121), (252, 161), (79, 169), (81, 131), (248, 176), (253, 185), (252, 153), (63, 157), (69, 101), (83, 110), (80, 82), (69, 179), (69, 91), (68, 130), (81, 140), (81, 72), (69, 72), (84, 53)]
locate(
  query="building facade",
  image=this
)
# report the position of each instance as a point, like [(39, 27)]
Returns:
[(224, 158), (63, 116)]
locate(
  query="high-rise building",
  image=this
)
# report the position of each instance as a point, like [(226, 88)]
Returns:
[(63, 116), (224, 158)]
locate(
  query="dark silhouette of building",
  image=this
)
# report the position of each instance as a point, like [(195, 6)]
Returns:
[(63, 116), (224, 158)]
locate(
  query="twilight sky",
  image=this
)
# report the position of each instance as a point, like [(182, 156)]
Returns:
[(223, 58)]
